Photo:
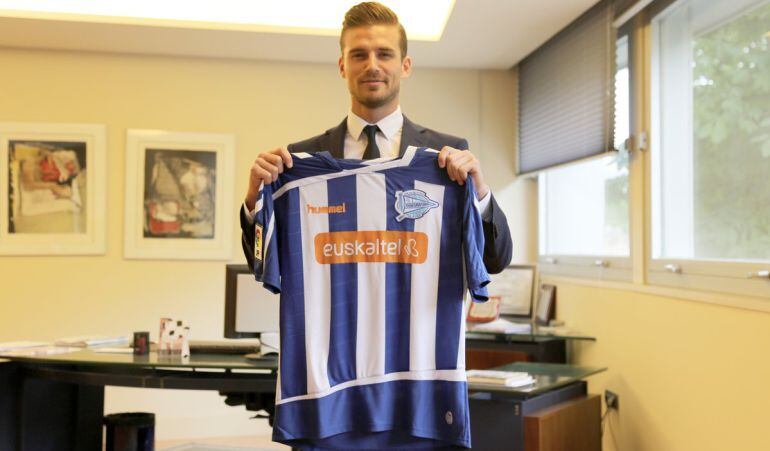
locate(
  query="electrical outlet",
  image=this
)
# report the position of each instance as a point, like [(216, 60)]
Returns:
[(611, 400)]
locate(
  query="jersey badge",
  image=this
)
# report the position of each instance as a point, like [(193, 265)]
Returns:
[(413, 204), (258, 241)]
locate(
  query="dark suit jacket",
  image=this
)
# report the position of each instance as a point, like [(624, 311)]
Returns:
[(498, 246)]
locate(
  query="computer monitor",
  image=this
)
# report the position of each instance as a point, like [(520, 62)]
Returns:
[(250, 309)]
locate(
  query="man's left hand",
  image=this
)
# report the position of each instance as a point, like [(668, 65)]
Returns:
[(459, 165)]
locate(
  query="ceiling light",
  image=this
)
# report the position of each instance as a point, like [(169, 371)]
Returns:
[(423, 19)]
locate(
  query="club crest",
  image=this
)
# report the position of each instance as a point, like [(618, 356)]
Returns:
[(413, 204)]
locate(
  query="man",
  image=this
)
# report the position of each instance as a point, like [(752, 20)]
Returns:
[(386, 370), (373, 61)]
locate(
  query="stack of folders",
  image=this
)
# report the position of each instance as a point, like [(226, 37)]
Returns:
[(501, 378), (92, 340)]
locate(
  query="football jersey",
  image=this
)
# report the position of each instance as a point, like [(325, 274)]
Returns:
[(372, 260)]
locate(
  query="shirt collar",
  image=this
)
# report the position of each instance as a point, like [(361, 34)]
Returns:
[(389, 125)]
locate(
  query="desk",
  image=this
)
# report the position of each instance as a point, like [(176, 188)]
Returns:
[(537, 346), (56, 402), (499, 415)]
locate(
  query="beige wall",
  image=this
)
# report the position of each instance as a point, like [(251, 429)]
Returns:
[(690, 375), (265, 105)]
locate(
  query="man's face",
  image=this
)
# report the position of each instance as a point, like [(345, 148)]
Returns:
[(372, 64)]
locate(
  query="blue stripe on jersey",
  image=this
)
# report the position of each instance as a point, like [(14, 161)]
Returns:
[(292, 312), (450, 282), (344, 287), (435, 410), (269, 266), (398, 286)]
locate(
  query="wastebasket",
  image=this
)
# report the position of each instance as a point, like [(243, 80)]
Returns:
[(130, 431)]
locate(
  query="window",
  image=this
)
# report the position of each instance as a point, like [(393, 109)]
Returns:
[(710, 161), (584, 208)]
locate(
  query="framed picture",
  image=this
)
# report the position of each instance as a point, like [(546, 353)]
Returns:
[(484, 312), (513, 288), (178, 195), (52, 189), (546, 304)]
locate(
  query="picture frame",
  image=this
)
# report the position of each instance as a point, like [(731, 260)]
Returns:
[(514, 288), (53, 188), (179, 195), (483, 312), (546, 305)]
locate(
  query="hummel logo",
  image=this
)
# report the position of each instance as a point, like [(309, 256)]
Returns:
[(327, 209)]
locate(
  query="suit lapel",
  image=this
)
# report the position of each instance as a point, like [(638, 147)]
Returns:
[(411, 135), (336, 138)]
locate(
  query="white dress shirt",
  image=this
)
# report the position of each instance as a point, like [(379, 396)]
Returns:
[(388, 136), (388, 141)]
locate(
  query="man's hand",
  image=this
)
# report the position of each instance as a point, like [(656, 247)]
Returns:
[(265, 170), (461, 163)]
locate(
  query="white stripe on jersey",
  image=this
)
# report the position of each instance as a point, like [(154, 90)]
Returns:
[(466, 307), (455, 375), (269, 236), (317, 290), (370, 333), (424, 293)]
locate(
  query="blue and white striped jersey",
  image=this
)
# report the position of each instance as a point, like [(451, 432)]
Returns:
[(372, 260)]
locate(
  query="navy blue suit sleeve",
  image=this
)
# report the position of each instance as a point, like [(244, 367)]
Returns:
[(473, 245), (498, 246)]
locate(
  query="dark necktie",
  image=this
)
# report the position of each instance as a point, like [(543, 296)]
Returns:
[(371, 151)]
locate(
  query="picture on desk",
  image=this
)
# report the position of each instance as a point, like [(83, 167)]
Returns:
[(178, 195), (546, 304), (514, 288), (51, 188)]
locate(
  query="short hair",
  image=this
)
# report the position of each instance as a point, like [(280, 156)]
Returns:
[(366, 14)]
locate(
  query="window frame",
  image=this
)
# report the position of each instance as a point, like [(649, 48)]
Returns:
[(721, 276), (712, 281), (598, 267)]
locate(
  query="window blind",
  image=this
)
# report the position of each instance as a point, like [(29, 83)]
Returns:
[(566, 94)]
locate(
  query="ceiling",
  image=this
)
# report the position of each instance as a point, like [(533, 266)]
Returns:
[(480, 34)]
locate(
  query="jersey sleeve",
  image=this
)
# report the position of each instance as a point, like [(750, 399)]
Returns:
[(476, 274), (266, 263)]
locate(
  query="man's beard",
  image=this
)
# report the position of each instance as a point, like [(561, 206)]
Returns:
[(376, 102)]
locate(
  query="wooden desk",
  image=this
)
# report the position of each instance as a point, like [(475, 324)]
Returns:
[(555, 414)]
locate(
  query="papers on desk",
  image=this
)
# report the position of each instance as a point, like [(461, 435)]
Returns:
[(501, 326), (18, 345), (84, 341), (111, 350), (39, 351), (501, 378)]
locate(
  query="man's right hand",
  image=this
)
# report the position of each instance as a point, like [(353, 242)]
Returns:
[(265, 169)]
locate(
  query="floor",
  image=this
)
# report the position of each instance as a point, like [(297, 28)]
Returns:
[(256, 442)]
